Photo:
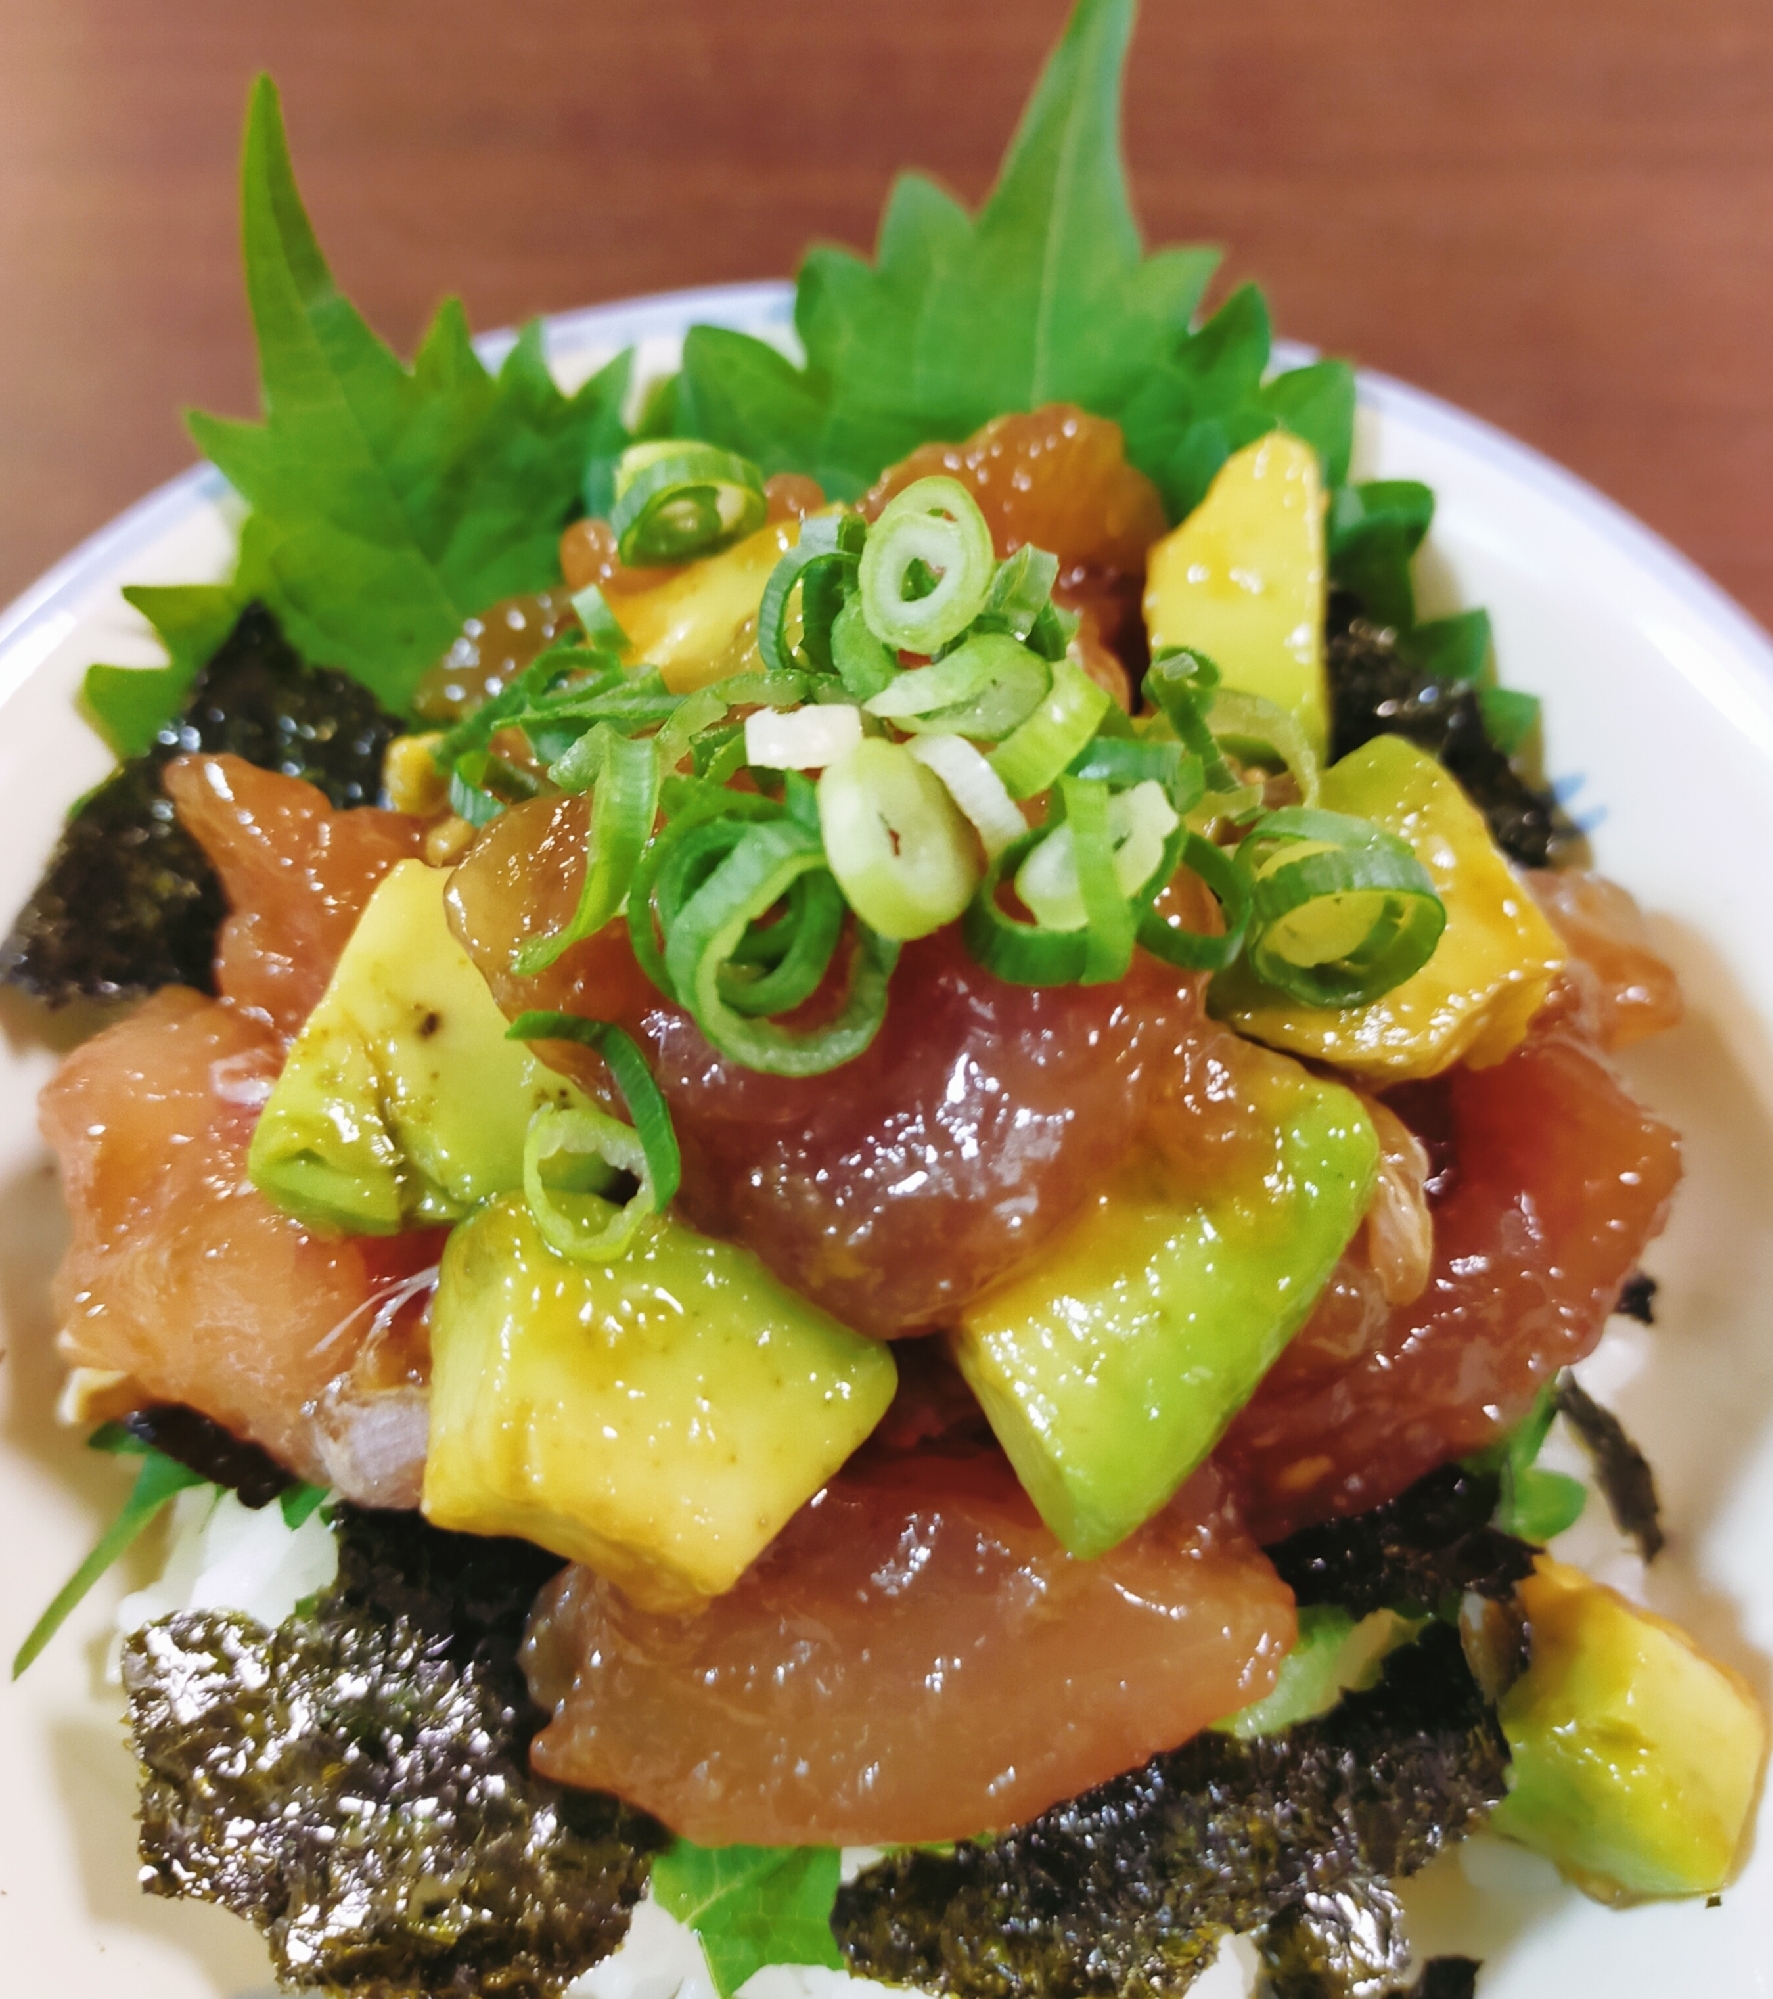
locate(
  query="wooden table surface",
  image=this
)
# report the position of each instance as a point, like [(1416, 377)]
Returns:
[(1558, 213)]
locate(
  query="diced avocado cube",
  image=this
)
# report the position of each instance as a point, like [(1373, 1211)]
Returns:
[(691, 626), (401, 1102), (1490, 972), (1242, 580), (658, 1418), (1635, 1757), (1111, 1365)]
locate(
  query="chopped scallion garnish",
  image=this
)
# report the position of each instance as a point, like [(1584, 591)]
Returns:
[(624, 805), (901, 850), (675, 500), (703, 937), (1341, 910), (927, 568), (984, 689), (1033, 756), (641, 1093)]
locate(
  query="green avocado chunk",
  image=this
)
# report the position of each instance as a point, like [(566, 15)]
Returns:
[(1635, 1759), (402, 1102), (658, 1417), (1110, 1367)]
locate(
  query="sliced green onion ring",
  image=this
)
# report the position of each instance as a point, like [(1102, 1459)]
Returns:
[(801, 738), (1197, 950), (934, 522), (1022, 954), (702, 710), (1182, 683), (1260, 731), (1033, 755), (623, 808), (901, 850), (825, 548), (985, 688), (520, 695), (690, 804), (1110, 923), (775, 966), (646, 1103), (575, 1218), (602, 627), (1021, 589), (862, 662), (975, 787), (675, 501), (1125, 761), (759, 871), (1139, 824), (765, 690), (1341, 910)]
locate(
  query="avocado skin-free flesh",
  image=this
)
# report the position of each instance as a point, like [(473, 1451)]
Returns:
[(1110, 1368), (659, 1417), (402, 1101), (1635, 1758)]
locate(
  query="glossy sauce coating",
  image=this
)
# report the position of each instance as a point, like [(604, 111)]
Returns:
[(912, 1178), (914, 1658)]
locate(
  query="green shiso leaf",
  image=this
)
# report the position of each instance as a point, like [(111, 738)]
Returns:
[(752, 1905), (389, 504), (1375, 531), (1044, 296)]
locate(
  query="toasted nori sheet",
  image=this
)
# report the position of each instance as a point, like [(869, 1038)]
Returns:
[(1447, 1978), (1637, 1298), (1336, 1943), (1350, 1943), (1375, 690), (1129, 1889), (1421, 1551), (128, 902), (202, 1445), (356, 1783), (1620, 1469)]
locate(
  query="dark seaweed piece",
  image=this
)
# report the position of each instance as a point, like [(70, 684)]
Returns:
[(1375, 690), (1448, 1978), (1421, 1551), (1346, 1942), (357, 1782), (1129, 1889), (203, 1446), (1638, 1299), (129, 902), (1620, 1469)]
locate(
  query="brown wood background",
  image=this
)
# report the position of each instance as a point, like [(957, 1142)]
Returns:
[(1556, 212)]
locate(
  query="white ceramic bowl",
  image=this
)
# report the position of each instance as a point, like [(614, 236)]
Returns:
[(1659, 715)]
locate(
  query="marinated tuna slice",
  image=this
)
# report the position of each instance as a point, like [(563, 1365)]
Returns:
[(296, 873), (180, 1274), (1620, 991), (905, 1183), (1547, 1182), (915, 1658)]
